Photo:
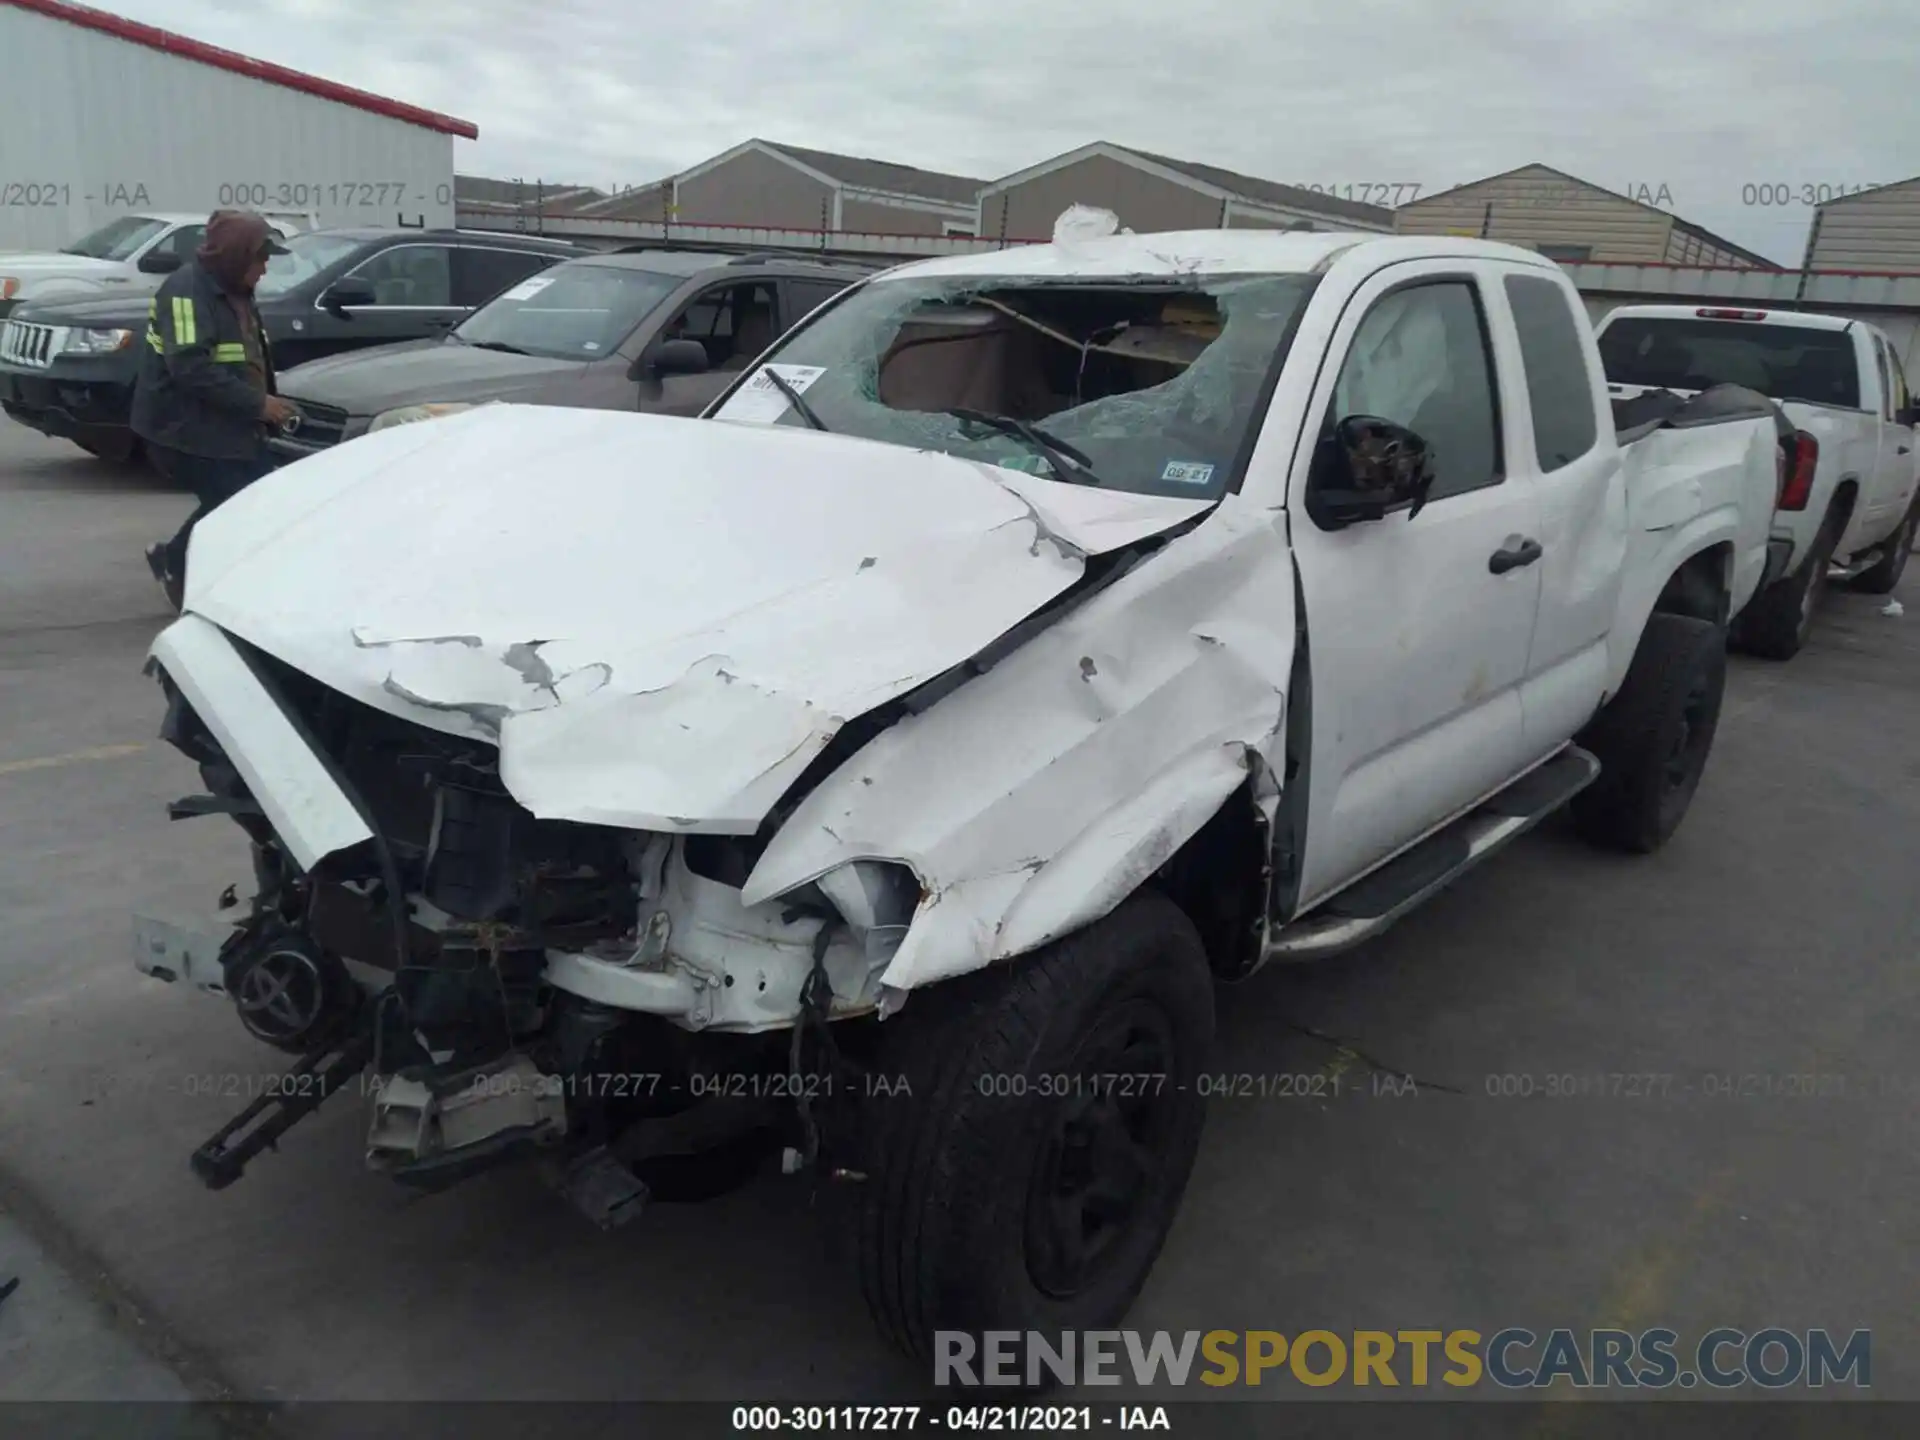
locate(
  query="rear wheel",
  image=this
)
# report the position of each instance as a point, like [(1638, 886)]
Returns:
[(1653, 738), (1885, 573), (1027, 1176)]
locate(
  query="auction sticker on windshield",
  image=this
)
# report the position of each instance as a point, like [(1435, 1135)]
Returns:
[(527, 289), (1186, 472), (760, 401)]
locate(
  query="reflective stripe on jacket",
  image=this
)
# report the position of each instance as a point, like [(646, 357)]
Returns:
[(199, 385)]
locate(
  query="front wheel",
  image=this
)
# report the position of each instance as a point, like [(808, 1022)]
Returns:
[(1028, 1172), (1653, 738)]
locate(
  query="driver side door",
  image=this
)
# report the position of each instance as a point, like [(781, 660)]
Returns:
[(1419, 635)]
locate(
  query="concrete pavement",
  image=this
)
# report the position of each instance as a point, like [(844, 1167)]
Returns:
[(1774, 938)]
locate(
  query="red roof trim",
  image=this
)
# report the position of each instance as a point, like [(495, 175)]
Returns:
[(189, 49)]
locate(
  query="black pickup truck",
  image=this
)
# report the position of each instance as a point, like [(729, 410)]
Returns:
[(67, 367)]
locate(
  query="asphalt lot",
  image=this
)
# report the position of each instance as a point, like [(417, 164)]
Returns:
[(1773, 938)]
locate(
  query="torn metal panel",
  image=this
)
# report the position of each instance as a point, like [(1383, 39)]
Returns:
[(705, 960), (306, 806), (675, 685), (1686, 490), (1037, 796)]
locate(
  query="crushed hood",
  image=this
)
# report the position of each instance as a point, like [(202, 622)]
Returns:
[(659, 621)]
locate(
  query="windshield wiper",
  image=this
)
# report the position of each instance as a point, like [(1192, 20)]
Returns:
[(499, 345), (780, 383), (1069, 463)]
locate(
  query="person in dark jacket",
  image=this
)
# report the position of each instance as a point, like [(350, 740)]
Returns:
[(205, 391)]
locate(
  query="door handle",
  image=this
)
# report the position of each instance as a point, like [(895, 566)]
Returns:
[(1902, 450), (1517, 552)]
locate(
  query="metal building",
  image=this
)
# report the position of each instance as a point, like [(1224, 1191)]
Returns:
[(1573, 221), (1155, 192), (102, 117), (1876, 229)]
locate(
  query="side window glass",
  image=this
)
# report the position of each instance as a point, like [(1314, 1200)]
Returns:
[(1420, 359), (807, 296), (420, 276), (1886, 381), (1559, 389), (183, 242), (480, 273), (734, 322), (1902, 396)]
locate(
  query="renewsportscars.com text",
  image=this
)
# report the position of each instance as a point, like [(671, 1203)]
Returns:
[(1772, 1358)]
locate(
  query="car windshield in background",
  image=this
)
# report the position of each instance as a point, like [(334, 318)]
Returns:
[(1785, 362), (571, 312), (307, 255), (1154, 381), (118, 239)]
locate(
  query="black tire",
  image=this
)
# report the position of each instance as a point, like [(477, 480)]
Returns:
[(1777, 621), (116, 448), (968, 1193), (1880, 577), (1653, 738)]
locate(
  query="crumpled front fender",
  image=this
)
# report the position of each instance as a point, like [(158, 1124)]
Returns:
[(1038, 796)]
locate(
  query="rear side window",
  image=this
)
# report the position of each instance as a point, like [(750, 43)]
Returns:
[(1786, 362), (1559, 388)]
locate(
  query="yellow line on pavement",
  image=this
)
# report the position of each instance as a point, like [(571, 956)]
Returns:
[(72, 757)]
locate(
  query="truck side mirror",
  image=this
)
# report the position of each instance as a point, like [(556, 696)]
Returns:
[(1907, 415), (158, 262), (1365, 468)]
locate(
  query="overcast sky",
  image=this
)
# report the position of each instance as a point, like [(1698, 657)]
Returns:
[(1647, 96)]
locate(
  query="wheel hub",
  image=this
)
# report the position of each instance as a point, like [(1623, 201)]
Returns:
[(1103, 1150)]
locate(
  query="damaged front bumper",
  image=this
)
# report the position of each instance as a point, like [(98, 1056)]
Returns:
[(498, 973)]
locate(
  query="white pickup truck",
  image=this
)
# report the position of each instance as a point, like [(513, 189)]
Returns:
[(127, 255), (1851, 499), (881, 771)]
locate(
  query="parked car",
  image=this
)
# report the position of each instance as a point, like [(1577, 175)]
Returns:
[(67, 366), (1851, 500), (126, 256), (598, 332), (882, 768)]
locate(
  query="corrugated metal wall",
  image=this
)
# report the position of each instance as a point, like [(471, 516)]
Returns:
[(755, 189), (92, 126), (1143, 202), (1880, 231), (1536, 207)]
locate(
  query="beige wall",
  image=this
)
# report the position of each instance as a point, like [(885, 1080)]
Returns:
[(865, 217), (1880, 231), (1535, 207), (1240, 220), (1685, 249), (1143, 202), (753, 189)]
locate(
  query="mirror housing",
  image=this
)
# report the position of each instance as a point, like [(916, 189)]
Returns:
[(158, 262), (348, 290), (1366, 468), (1907, 415), (670, 357)]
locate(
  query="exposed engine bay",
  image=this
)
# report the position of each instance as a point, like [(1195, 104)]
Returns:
[(508, 979)]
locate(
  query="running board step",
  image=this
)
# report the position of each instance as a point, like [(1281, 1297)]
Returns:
[(1859, 565), (1368, 906)]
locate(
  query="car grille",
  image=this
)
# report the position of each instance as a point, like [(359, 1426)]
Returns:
[(320, 425), (34, 346)]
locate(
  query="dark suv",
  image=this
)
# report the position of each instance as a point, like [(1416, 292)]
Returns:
[(659, 330), (67, 367)]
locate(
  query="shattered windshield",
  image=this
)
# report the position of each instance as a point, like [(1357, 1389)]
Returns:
[(1147, 384)]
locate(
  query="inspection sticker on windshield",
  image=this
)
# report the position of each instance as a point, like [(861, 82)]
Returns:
[(760, 400), (1186, 472), (527, 289)]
